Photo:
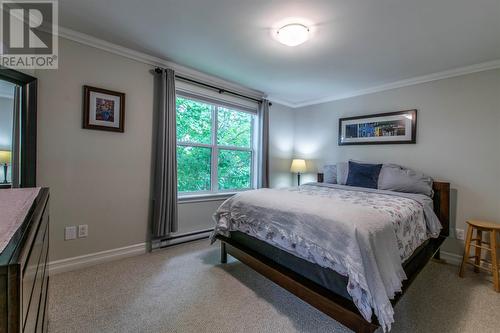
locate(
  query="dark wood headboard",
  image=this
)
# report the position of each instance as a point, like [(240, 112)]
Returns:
[(441, 203)]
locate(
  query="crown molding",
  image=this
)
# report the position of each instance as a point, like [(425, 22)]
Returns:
[(283, 102), (145, 58), (484, 66), (210, 79)]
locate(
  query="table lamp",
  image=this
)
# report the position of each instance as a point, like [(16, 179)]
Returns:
[(297, 167), (5, 157)]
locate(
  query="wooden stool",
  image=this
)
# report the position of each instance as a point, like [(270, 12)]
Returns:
[(480, 227)]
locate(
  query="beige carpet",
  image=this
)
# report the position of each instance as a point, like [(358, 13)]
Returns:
[(184, 289)]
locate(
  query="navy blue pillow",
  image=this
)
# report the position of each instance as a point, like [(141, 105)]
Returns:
[(363, 175)]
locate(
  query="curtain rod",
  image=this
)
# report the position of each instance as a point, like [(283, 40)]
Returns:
[(220, 90)]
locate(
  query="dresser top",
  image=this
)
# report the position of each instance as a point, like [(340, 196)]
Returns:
[(14, 206)]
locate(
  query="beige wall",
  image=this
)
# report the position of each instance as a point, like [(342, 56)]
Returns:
[(95, 177), (458, 138), (103, 178), (281, 128)]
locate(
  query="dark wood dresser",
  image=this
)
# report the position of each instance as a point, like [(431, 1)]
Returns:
[(24, 278)]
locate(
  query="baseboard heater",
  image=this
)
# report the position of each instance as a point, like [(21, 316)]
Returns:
[(183, 238)]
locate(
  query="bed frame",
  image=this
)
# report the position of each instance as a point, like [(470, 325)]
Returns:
[(332, 304)]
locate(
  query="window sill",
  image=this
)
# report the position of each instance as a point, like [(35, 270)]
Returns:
[(204, 197)]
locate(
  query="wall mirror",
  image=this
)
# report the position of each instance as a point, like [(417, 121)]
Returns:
[(18, 99)]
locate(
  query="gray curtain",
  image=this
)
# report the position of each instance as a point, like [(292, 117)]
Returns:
[(263, 151), (16, 136), (165, 178)]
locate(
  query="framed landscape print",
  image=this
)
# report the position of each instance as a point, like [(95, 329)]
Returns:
[(384, 128), (103, 109)]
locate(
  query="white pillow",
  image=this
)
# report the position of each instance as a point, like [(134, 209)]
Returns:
[(330, 174), (342, 172)]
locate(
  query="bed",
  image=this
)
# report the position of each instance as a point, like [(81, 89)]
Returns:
[(353, 274)]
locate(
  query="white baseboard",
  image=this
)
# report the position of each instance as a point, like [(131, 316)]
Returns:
[(74, 263), (451, 258)]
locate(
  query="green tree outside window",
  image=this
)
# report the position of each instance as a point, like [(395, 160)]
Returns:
[(199, 124)]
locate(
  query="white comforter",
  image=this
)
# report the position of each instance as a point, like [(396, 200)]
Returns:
[(361, 233)]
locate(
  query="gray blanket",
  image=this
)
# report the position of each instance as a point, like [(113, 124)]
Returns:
[(361, 233)]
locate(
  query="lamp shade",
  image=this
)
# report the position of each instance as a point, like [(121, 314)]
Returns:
[(5, 156), (298, 166)]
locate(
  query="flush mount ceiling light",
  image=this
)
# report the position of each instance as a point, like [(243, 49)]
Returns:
[(293, 34)]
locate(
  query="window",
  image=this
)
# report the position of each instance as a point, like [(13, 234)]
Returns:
[(215, 149)]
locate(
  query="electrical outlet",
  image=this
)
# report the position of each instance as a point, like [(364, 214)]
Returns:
[(83, 230), (459, 233), (70, 233)]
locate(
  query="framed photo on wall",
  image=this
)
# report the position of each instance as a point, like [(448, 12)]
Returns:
[(383, 128), (103, 109)]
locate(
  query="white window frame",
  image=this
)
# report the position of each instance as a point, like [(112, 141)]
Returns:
[(214, 184)]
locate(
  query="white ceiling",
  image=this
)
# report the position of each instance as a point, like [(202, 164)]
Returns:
[(358, 44)]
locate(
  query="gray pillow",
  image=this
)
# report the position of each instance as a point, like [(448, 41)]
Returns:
[(330, 174), (342, 172), (397, 178)]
